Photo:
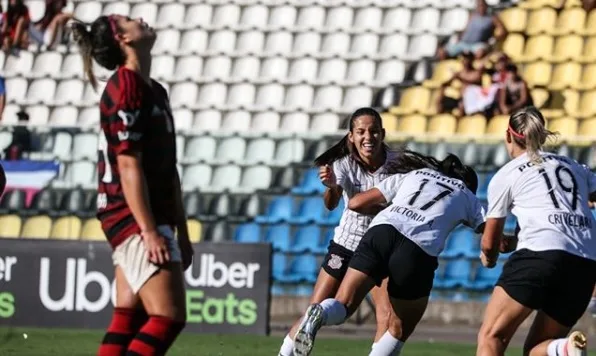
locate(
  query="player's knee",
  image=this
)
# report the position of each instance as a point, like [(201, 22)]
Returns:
[(383, 315), (489, 334)]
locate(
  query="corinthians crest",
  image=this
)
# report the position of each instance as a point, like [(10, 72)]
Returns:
[(335, 261)]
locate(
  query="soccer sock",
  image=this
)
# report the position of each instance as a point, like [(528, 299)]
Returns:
[(124, 326), (556, 347), (387, 345), (334, 313), (592, 306), (287, 348), (155, 337)]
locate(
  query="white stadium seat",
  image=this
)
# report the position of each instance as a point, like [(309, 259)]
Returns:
[(169, 15), (289, 151), (180, 145), (390, 71), (397, 19), (16, 90), (217, 67), (167, 42), (39, 115), (225, 177), (20, 65), (294, 122), (66, 116), (41, 91), (364, 44), (212, 95), (393, 45), (87, 11), (198, 15), (335, 43), (274, 68), (254, 178), (356, 97), (361, 71), (72, 67), (47, 64), (84, 146), (162, 67), (184, 95), (188, 68), (324, 122), (9, 116), (36, 9), (246, 68), (267, 121), (333, 70), (260, 150), (116, 8), (303, 69), (250, 42), (240, 96), (311, 17), (254, 16), (236, 121), (226, 15), (223, 41), (299, 97), (425, 20), (207, 120), (193, 42), (270, 96), (69, 92), (231, 150), (196, 176), (146, 11), (339, 18), (283, 16), (88, 117), (367, 18), (454, 20), (183, 119), (279, 42), (306, 43), (200, 148)]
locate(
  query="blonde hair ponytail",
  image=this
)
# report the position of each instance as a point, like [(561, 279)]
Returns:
[(527, 128)]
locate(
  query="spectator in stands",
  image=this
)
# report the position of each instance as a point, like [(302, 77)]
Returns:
[(21, 138), (2, 96), (481, 27), (467, 76), (500, 73), (514, 93), (15, 22), (51, 26)]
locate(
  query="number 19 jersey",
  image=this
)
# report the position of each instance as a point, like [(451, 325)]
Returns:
[(550, 201), (427, 206)]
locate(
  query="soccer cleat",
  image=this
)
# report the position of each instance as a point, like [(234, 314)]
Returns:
[(305, 337), (577, 344)]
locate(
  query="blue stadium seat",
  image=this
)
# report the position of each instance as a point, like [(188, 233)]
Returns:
[(311, 210), (322, 248), (277, 290), (331, 218), (279, 267), (279, 237), (280, 209), (486, 277), (457, 274), (304, 268), (461, 243), (483, 186), (304, 290), (307, 239), (248, 233), (310, 184)]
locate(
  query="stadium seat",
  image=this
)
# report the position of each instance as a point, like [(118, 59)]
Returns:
[(289, 151), (310, 184), (279, 237), (335, 44), (486, 277), (541, 21), (196, 176), (567, 48), (187, 68), (66, 228), (13, 201), (195, 230), (254, 178), (119, 8), (37, 227), (169, 15), (197, 15), (472, 125), (10, 226), (304, 268), (497, 125), (225, 177), (566, 127), (311, 210), (539, 47), (248, 233), (146, 11), (457, 274), (325, 123), (200, 149), (570, 21), (332, 218), (339, 18), (236, 121), (231, 150), (19, 65), (267, 121), (46, 64), (193, 42), (514, 19), (280, 209), (306, 239), (462, 243), (412, 125), (92, 231), (87, 11), (442, 125), (483, 182), (254, 16), (279, 267)]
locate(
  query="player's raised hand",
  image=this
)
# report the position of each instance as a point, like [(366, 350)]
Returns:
[(157, 249), (486, 262), (327, 176)]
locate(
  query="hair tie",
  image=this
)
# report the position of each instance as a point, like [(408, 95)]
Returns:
[(515, 133)]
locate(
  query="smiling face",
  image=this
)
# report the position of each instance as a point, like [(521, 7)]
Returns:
[(367, 136)]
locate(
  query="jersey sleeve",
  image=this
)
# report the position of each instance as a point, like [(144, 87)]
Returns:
[(476, 214), (340, 169), (389, 186), (125, 125), (499, 197)]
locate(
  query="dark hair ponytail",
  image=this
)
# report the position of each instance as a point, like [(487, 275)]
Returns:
[(452, 167), (344, 147)]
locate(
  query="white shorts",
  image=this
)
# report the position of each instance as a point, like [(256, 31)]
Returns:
[(132, 257)]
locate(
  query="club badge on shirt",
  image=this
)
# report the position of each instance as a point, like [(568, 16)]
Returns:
[(335, 261)]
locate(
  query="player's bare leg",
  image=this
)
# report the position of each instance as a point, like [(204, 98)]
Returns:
[(350, 295), (502, 317), (163, 297), (127, 319), (325, 287), (383, 309), (548, 337)]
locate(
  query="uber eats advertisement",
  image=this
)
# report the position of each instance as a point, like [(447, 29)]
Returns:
[(70, 284)]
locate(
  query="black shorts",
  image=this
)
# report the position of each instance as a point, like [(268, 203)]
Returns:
[(336, 260), (556, 282), (385, 252)]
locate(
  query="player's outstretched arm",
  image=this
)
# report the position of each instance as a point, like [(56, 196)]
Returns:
[(491, 241), (368, 202)]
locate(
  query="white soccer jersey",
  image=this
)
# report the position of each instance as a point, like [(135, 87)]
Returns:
[(354, 179), (427, 206), (550, 201)]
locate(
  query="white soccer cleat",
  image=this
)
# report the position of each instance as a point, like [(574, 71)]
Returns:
[(577, 344), (305, 337)]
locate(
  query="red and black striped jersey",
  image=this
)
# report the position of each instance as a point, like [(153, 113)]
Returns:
[(135, 117)]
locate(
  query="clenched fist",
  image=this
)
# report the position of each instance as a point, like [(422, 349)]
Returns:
[(327, 176)]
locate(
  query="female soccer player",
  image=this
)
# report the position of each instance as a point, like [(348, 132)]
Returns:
[(139, 199), (428, 200), (553, 269), (354, 164)]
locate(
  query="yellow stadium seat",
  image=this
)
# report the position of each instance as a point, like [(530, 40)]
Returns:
[(92, 231), (570, 21), (474, 125), (560, 103), (413, 100), (587, 105), (565, 127), (565, 75), (588, 78), (573, 3), (412, 124), (567, 48), (37, 227), (66, 228), (539, 96), (514, 19), (590, 25), (10, 226), (540, 21), (389, 122), (442, 125), (589, 53), (195, 230), (537, 74), (443, 71), (497, 125), (538, 47), (537, 4), (587, 128), (513, 46)]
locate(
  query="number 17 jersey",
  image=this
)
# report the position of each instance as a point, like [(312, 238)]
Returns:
[(550, 201)]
